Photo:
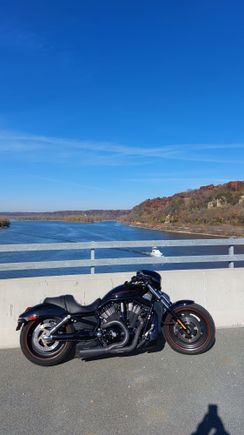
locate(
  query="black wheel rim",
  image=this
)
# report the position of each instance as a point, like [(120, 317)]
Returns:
[(197, 327)]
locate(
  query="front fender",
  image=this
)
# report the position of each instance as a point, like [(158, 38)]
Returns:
[(40, 311), (182, 302)]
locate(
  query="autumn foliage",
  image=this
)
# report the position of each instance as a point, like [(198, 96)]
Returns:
[(209, 205)]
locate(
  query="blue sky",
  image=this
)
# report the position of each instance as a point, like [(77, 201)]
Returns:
[(104, 104)]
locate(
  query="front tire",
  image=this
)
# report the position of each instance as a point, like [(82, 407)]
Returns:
[(200, 324), (37, 350)]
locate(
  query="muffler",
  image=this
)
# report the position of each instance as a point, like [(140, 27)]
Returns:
[(71, 336)]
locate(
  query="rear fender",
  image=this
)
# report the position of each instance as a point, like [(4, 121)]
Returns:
[(38, 312)]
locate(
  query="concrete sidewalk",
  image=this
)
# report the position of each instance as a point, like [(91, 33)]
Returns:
[(151, 393)]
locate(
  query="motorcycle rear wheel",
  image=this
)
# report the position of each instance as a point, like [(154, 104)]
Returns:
[(37, 350), (200, 324)]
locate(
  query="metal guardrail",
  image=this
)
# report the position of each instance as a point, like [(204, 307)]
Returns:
[(230, 257)]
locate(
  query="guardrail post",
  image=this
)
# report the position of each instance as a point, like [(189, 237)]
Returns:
[(92, 258), (231, 252)]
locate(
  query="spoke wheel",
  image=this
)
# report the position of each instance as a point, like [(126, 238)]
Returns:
[(200, 334)]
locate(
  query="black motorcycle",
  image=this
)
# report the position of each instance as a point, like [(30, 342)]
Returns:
[(128, 318)]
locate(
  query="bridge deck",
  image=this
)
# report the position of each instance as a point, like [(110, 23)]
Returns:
[(151, 393)]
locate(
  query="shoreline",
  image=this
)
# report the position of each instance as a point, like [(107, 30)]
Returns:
[(222, 234), (220, 231)]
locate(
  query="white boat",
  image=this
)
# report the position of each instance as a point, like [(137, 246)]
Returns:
[(156, 252)]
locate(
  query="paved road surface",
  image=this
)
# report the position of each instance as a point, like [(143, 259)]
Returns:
[(151, 393)]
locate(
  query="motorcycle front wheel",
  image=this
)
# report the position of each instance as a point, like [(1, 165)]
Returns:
[(37, 350), (200, 334)]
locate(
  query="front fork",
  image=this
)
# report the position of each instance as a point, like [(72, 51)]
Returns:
[(166, 302)]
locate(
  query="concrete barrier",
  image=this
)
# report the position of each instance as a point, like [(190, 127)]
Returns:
[(221, 291)]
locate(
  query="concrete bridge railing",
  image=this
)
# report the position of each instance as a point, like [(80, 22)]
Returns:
[(221, 291)]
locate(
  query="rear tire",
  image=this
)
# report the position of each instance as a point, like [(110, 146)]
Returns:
[(201, 325), (40, 352)]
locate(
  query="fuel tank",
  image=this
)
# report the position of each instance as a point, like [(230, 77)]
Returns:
[(126, 292)]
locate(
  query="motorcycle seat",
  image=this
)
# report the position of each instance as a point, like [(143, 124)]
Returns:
[(69, 303)]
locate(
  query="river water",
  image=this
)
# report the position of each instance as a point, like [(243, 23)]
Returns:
[(61, 232)]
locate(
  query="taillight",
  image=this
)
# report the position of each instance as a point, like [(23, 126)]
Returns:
[(32, 317)]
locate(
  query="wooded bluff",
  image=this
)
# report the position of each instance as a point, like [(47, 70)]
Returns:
[(210, 209)]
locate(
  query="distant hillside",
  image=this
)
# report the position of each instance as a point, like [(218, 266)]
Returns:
[(86, 216), (210, 209)]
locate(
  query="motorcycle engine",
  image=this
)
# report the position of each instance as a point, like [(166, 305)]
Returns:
[(127, 313)]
